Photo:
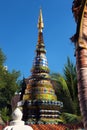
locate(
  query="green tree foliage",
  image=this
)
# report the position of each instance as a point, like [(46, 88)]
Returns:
[(8, 87), (2, 70), (2, 58), (70, 118), (70, 77), (62, 92), (66, 89), (5, 115), (8, 84)]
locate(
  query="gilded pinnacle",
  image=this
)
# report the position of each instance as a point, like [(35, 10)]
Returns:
[(40, 22)]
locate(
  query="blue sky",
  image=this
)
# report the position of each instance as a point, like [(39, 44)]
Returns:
[(18, 32)]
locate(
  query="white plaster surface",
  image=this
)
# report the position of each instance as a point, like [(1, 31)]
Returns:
[(17, 123)]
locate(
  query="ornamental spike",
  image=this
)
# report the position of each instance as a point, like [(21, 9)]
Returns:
[(40, 21)]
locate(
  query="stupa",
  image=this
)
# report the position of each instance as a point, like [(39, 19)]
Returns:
[(39, 103)]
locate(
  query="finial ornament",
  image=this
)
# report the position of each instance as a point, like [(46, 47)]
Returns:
[(40, 22)]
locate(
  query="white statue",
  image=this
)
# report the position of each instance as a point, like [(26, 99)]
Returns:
[(17, 123)]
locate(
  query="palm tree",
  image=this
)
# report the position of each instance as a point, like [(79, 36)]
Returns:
[(70, 77), (66, 91), (79, 10), (62, 92)]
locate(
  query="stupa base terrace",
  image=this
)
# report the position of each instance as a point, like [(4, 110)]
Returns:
[(40, 111)]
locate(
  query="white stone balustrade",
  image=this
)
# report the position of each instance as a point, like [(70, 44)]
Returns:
[(17, 123)]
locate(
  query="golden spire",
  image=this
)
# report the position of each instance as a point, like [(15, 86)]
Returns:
[(40, 22)]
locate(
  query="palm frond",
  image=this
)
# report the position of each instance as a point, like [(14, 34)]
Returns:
[(71, 78), (71, 118)]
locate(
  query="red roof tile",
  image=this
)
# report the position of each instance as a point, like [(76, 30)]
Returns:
[(53, 126), (48, 127)]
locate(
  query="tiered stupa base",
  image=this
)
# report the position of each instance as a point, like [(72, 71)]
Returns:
[(41, 112)]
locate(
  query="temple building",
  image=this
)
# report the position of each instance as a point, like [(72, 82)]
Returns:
[(38, 102)]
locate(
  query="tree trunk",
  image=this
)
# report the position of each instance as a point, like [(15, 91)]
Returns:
[(79, 9), (81, 63)]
